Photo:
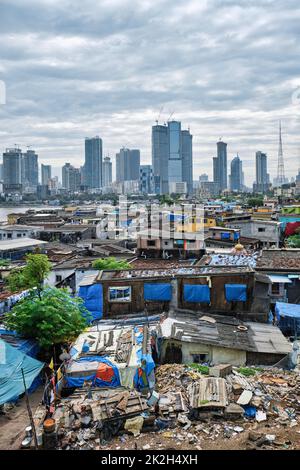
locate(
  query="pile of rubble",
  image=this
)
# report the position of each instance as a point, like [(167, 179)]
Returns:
[(239, 400), (189, 406)]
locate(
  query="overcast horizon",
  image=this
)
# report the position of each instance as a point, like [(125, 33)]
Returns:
[(224, 68)]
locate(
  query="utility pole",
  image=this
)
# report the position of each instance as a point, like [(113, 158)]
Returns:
[(29, 412)]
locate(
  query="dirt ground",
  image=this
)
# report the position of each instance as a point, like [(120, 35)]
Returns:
[(286, 439), (13, 423)]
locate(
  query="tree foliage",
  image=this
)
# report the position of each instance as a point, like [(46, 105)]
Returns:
[(294, 241), (32, 275), (255, 202), (52, 317), (110, 263)]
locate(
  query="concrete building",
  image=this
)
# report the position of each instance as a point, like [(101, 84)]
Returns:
[(266, 231), (236, 174), (203, 178), (13, 232), (262, 177), (127, 165), (107, 172), (146, 179), (31, 170), (220, 166), (172, 157), (71, 178), (45, 174), (93, 163), (12, 170)]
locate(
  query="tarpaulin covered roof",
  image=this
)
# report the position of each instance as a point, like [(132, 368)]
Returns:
[(12, 361), (287, 310), (288, 317)]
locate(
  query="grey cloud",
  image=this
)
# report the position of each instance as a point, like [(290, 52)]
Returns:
[(226, 68)]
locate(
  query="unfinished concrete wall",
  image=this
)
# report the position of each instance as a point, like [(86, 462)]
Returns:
[(234, 357)]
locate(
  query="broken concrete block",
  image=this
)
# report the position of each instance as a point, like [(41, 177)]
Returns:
[(221, 370), (233, 410), (245, 397)]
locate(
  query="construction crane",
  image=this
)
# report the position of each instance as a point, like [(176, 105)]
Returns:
[(160, 111), (170, 116)]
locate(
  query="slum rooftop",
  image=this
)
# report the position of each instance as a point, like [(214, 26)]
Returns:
[(169, 272), (279, 259), (20, 243), (221, 259), (225, 331)]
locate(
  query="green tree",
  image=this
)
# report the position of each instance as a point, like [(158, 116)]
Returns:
[(32, 275), (110, 263), (294, 241), (255, 202), (53, 317)]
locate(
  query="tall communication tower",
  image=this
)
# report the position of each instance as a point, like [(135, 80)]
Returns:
[(280, 168)]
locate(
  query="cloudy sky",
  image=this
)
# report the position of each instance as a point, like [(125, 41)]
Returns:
[(225, 68)]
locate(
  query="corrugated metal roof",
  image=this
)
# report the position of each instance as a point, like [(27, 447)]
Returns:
[(19, 243), (209, 392)]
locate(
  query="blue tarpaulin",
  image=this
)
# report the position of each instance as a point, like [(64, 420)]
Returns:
[(144, 375), (196, 293), (102, 377), (288, 317), (158, 292), (93, 299), (236, 292), (176, 217), (225, 235), (12, 361)]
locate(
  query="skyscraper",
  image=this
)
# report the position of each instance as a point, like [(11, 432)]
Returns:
[(187, 160), (107, 172), (46, 174), (31, 169), (262, 178), (127, 165), (146, 179), (12, 170), (220, 166), (71, 178), (172, 158), (93, 163), (160, 158), (236, 174)]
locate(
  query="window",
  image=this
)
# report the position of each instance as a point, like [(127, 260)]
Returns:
[(9, 235), (261, 229), (58, 278), (19, 235), (119, 294), (199, 358), (150, 242), (275, 290)]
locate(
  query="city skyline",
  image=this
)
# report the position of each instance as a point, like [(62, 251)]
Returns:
[(164, 58)]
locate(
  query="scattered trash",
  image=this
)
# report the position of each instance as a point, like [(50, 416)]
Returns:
[(260, 416), (134, 425)]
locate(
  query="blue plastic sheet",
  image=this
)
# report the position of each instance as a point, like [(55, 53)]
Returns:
[(196, 293), (12, 361), (250, 411), (93, 299), (225, 236), (158, 292), (236, 292), (79, 381), (147, 366), (288, 317)]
